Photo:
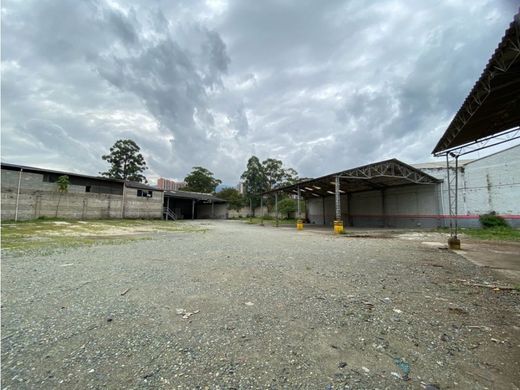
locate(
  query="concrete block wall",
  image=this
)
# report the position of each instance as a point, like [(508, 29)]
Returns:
[(41, 199), (491, 183)]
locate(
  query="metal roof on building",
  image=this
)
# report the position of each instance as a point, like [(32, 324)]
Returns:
[(376, 176), (201, 196), (493, 105), (25, 168)]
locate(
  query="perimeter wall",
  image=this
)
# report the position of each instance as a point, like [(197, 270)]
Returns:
[(41, 199)]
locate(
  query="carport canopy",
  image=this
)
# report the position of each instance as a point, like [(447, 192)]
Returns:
[(492, 108), (376, 176)]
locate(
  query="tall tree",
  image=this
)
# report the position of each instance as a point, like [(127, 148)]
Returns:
[(255, 181), (201, 180), (126, 161), (277, 175), (234, 198)]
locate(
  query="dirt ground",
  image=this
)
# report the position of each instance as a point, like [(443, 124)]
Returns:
[(226, 305)]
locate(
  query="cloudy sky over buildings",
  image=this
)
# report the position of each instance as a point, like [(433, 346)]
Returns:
[(321, 85)]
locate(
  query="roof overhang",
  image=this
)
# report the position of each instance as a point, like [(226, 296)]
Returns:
[(196, 196), (493, 105), (376, 176)]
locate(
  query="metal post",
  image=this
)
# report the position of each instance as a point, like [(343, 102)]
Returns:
[(193, 209), (338, 200), (338, 223), (18, 195), (262, 210), (299, 211), (276, 207), (456, 194), (453, 241), (449, 193)]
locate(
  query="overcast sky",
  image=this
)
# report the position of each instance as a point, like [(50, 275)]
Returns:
[(321, 85)]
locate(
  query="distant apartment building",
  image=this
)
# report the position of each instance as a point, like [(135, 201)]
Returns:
[(170, 185), (240, 187)]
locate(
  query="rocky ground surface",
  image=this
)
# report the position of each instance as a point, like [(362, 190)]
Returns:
[(241, 306)]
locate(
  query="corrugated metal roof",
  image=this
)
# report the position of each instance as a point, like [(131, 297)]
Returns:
[(375, 176), (25, 168), (493, 105)]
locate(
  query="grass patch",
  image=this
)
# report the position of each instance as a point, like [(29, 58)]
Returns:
[(270, 221), (49, 234), (496, 233)]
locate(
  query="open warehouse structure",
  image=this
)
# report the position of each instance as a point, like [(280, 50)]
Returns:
[(383, 194)]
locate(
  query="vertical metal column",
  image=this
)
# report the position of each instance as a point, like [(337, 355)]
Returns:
[(456, 195), (299, 211), (337, 199), (453, 241), (276, 207), (449, 193)]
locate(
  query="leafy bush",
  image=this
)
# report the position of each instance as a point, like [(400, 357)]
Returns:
[(491, 220)]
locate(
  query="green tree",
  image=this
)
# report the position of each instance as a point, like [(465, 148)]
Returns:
[(276, 175), (255, 181), (287, 206), (234, 198), (201, 180), (62, 184), (126, 161)]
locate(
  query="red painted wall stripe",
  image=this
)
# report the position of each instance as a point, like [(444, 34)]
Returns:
[(436, 216)]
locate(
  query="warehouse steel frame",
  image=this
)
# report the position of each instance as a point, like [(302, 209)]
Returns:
[(377, 176), (489, 116)]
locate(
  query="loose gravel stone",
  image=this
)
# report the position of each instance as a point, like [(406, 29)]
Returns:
[(318, 300)]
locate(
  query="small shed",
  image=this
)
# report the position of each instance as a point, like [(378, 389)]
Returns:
[(193, 205)]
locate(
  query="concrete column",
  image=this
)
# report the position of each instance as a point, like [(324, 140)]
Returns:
[(18, 195)]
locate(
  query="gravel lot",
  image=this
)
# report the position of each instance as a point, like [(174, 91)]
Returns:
[(273, 308)]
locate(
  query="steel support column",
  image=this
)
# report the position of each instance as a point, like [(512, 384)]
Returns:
[(338, 223)]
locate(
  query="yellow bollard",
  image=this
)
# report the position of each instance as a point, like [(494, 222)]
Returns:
[(299, 224), (338, 227)]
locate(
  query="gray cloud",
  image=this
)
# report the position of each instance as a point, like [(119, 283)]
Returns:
[(321, 85)]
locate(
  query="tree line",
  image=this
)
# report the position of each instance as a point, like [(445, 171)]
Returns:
[(127, 163)]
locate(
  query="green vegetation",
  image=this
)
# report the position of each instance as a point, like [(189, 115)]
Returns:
[(126, 161), (497, 233), (201, 180), (269, 220), (264, 176), (491, 220), (50, 234), (234, 198)]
